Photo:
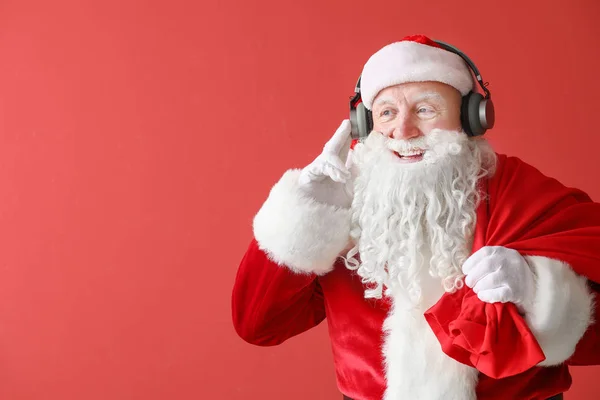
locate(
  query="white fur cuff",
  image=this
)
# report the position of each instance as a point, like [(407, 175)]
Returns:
[(299, 232), (562, 308)]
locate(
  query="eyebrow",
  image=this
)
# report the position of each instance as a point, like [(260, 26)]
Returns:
[(415, 99), (428, 96), (384, 100)]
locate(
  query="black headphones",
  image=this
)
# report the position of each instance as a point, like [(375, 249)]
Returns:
[(476, 111)]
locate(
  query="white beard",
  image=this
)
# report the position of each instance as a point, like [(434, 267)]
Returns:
[(405, 215)]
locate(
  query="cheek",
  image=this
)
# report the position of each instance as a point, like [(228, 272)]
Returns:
[(448, 124), (385, 131), (450, 121), (426, 126), (378, 126), (385, 127), (381, 127)]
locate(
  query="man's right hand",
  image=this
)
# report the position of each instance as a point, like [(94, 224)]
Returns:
[(327, 179)]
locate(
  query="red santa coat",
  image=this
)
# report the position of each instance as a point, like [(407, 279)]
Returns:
[(288, 282)]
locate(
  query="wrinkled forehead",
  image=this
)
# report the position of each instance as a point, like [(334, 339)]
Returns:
[(391, 98), (416, 92)]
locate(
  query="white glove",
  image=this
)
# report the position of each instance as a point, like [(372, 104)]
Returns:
[(327, 178), (498, 274)]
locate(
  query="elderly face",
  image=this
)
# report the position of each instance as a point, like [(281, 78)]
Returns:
[(411, 110)]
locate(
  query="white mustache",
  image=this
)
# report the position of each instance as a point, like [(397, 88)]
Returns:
[(407, 146), (437, 141)]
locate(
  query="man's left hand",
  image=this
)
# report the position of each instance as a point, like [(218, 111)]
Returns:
[(498, 274)]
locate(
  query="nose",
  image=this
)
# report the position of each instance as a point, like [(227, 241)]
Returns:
[(406, 129)]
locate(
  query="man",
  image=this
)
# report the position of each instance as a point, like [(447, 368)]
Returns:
[(421, 232)]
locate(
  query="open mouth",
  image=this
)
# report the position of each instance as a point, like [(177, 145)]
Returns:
[(410, 156)]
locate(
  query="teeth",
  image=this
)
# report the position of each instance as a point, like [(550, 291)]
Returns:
[(411, 153)]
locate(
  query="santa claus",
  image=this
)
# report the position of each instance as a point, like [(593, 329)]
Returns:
[(445, 270)]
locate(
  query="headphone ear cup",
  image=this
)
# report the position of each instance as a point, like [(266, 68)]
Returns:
[(363, 122), (369, 121), (354, 132), (469, 114)]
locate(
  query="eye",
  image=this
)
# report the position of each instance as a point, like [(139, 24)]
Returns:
[(422, 110)]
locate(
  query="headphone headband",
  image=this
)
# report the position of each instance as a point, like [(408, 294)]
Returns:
[(477, 111), (470, 63)]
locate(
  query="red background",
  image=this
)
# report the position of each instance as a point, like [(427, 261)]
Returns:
[(138, 139)]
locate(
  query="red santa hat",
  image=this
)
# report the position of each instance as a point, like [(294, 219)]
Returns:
[(413, 59)]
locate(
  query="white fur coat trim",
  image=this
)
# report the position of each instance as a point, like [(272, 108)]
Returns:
[(299, 232), (417, 368), (415, 365), (562, 309)]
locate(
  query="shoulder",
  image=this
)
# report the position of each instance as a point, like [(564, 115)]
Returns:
[(518, 177), (511, 164)]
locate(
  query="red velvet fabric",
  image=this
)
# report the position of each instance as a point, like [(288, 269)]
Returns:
[(536, 217), (271, 304), (493, 338)]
